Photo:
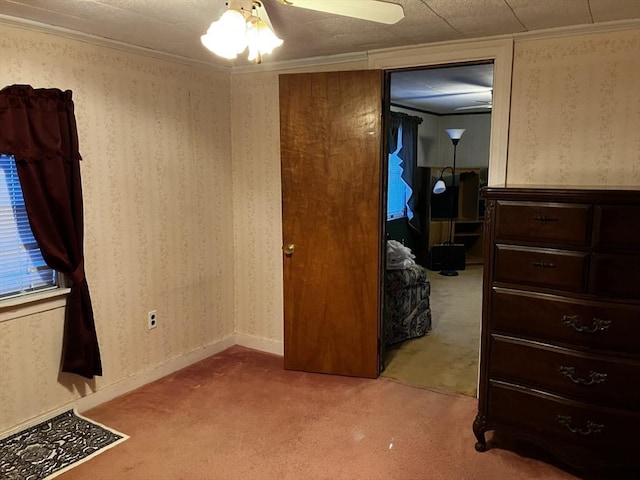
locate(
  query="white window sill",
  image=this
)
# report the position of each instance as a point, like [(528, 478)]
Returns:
[(26, 305)]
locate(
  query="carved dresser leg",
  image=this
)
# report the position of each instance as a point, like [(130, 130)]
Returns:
[(479, 429)]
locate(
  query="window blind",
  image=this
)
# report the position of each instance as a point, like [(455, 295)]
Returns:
[(22, 268)]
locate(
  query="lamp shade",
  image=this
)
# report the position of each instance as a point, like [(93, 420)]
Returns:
[(455, 133), (439, 187), (227, 37), (261, 39)]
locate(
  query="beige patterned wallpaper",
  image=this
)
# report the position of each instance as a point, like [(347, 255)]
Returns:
[(575, 111), (588, 84), (257, 202), (255, 137), (155, 138), (182, 188)]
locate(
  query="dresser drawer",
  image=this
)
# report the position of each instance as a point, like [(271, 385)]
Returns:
[(556, 416), (595, 378), (554, 223), (617, 226), (587, 324), (543, 267), (615, 275)]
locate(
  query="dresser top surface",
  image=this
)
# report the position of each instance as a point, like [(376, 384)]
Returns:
[(605, 194)]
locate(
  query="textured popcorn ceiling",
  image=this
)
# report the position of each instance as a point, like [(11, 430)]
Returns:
[(176, 26)]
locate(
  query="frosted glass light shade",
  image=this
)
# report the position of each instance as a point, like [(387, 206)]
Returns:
[(228, 36), (439, 187), (455, 133), (261, 39)]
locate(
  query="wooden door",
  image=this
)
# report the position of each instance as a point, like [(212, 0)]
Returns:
[(331, 143)]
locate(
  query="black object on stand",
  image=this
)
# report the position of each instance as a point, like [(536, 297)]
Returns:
[(440, 187)]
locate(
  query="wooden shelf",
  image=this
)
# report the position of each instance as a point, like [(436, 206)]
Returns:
[(468, 227)]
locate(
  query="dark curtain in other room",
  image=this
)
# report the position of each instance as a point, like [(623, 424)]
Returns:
[(409, 156), (38, 127)]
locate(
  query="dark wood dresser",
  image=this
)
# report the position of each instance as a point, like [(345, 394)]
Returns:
[(560, 355)]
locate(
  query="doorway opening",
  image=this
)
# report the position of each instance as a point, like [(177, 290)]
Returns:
[(436, 319)]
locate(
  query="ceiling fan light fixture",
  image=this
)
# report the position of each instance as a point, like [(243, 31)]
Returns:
[(261, 39), (239, 28), (227, 37)]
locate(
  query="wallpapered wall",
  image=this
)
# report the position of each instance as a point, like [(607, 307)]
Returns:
[(257, 203), (175, 158), (604, 67), (158, 215), (575, 111)]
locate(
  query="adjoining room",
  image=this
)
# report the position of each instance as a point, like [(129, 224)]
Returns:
[(436, 211)]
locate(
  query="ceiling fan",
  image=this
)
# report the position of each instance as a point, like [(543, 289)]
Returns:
[(372, 10), (246, 23), (480, 104)]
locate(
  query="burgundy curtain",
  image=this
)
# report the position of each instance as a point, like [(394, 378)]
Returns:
[(38, 127)]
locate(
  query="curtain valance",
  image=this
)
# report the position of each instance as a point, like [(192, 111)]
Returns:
[(38, 127)]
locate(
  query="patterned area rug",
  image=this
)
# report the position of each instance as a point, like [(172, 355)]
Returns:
[(54, 446)]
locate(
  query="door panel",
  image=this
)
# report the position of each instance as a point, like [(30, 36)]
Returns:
[(330, 140)]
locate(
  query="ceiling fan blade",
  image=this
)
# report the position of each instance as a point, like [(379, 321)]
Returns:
[(262, 14), (478, 83), (372, 10), (474, 107)]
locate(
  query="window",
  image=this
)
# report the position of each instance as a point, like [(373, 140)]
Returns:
[(22, 268), (398, 192)]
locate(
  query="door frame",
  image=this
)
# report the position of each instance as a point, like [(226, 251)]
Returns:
[(499, 51), (449, 53)]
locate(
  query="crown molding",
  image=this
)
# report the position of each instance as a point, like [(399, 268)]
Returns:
[(105, 42), (573, 30), (303, 63), (147, 52), (488, 42), (480, 43), (320, 60)]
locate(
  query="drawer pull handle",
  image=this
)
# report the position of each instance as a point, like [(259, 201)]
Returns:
[(544, 218), (573, 321), (543, 265), (593, 379), (588, 430)]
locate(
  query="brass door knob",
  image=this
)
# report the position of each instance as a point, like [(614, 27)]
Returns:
[(289, 249)]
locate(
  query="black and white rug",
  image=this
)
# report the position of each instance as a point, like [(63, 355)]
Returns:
[(54, 446)]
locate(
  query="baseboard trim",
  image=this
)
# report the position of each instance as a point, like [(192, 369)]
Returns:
[(162, 370), (128, 384), (136, 381), (259, 343), (36, 420)]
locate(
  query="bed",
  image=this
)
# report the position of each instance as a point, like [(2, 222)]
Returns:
[(407, 313)]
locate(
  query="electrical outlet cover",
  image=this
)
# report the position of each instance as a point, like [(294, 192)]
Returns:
[(152, 319)]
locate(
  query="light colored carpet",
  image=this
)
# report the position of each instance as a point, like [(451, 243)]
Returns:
[(445, 360), (240, 416)]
